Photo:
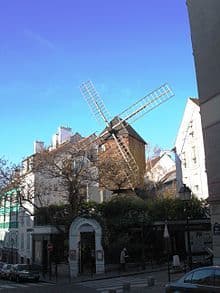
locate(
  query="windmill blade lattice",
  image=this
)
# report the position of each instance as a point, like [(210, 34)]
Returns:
[(133, 169), (138, 109), (95, 102), (146, 104)]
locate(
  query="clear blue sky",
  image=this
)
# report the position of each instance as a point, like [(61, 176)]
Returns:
[(126, 47)]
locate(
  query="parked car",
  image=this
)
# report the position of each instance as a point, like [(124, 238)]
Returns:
[(5, 271), (1, 266), (23, 272), (205, 279)]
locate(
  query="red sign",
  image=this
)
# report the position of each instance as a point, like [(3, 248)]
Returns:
[(50, 247)]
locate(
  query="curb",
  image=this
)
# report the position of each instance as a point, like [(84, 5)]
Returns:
[(121, 275), (104, 277)]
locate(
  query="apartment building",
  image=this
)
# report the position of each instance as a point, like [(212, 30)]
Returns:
[(9, 211), (189, 148), (161, 174), (21, 237), (205, 33)]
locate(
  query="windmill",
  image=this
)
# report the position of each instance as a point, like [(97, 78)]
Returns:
[(131, 114)]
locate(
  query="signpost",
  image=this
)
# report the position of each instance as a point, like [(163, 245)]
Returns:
[(166, 236), (50, 249)]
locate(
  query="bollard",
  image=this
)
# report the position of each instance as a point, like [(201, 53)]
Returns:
[(126, 287), (150, 281)]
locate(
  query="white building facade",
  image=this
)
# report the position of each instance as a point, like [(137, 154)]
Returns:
[(20, 237), (160, 166), (190, 155)]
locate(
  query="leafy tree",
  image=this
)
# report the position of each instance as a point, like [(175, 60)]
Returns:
[(52, 184), (9, 175), (114, 174), (125, 218), (177, 209)]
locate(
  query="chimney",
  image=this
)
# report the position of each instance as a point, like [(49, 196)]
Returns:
[(38, 146), (64, 134), (54, 141)]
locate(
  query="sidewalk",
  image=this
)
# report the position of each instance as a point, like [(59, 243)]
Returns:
[(63, 275)]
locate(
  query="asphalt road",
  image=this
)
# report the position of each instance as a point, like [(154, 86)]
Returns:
[(138, 282), (10, 287)]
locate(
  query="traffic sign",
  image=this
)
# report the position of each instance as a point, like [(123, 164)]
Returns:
[(50, 246)]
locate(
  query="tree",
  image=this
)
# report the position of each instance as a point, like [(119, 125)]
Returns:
[(63, 177), (57, 178), (125, 220), (163, 209), (9, 174), (114, 173)]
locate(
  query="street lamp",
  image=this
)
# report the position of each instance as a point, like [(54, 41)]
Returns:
[(166, 236), (185, 195), (12, 248), (185, 192)]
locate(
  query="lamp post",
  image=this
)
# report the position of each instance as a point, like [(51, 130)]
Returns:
[(185, 194), (12, 252), (142, 245), (166, 236)]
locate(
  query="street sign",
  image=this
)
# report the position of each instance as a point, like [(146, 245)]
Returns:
[(50, 247), (166, 232)]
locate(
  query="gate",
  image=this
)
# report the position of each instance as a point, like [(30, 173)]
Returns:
[(87, 253)]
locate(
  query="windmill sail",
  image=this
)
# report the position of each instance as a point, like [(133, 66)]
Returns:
[(138, 109), (95, 102), (146, 104)]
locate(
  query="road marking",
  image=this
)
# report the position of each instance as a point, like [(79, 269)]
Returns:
[(26, 285), (40, 284), (7, 287), (103, 286), (21, 285)]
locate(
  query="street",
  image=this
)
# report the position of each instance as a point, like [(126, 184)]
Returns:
[(138, 283), (10, 287)]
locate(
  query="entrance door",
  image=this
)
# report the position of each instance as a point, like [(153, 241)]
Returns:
[(87, 253)]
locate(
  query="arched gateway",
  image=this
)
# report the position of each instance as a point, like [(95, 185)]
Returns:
[(85, 248)]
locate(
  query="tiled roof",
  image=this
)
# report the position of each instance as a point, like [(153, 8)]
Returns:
[(123, 129)]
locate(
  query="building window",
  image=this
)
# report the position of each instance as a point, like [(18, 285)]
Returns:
[(22, 241), (194, 154), (191, 133), (22, 218), (184, 159), (16, 240), (28, 240), (28, 220)]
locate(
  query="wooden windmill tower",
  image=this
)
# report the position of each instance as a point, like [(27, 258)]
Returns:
[(119, 139)]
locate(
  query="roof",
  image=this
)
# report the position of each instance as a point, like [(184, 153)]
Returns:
[(196, 101), (151, 163), (73, 141), (154, 160), (170, 176), (122, 129)]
